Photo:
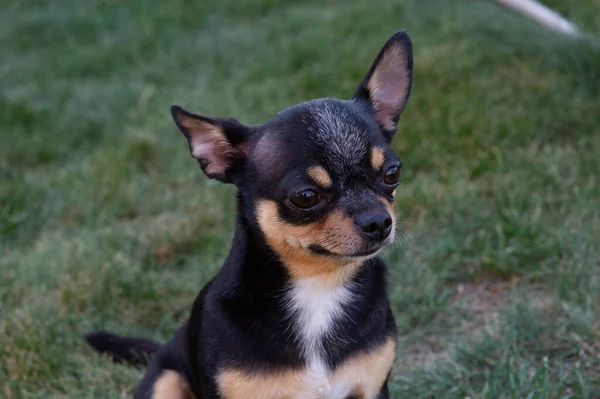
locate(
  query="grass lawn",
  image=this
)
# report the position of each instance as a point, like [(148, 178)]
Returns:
[(106, 222)]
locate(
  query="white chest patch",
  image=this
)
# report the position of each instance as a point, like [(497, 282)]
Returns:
[(315, 307)]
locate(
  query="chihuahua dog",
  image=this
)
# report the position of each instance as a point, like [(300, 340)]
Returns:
[(299, 309)]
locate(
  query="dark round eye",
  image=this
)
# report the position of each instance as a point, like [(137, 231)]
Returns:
[(305, 199), (392, 175)]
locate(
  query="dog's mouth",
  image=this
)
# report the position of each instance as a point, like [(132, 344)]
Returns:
[(370, 251)]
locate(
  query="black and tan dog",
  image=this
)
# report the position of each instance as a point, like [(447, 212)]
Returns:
[(300, 307)]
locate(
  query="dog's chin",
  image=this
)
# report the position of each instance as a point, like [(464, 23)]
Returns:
[(367, 252)]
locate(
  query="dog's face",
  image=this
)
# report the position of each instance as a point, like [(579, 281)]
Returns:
[(324, 177), (321, 175)]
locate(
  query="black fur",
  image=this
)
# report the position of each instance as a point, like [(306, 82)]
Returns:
[(135, 351), (240, 319)]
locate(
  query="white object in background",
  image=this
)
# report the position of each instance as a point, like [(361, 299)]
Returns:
[(543, 15)]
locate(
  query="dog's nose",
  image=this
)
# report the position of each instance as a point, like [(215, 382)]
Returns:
[(376, 226)]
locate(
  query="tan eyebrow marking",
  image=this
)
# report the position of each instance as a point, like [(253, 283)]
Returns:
[(377, 158), (320, 176)]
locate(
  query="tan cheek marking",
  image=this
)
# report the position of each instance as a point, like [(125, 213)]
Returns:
[(171, 385), (290, 243), (320, 176), (236, 384), (368, 370), (377, 158), (281, 235), (346, 237)]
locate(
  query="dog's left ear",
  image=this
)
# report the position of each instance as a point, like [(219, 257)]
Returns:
[(218, 144), (387, 84)]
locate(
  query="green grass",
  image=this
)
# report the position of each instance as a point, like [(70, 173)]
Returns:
[(106, 222)]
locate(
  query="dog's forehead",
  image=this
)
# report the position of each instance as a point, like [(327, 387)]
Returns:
[(333, 133), (340, 132)]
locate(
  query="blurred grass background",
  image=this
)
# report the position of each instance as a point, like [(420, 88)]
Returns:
[(106, 222)]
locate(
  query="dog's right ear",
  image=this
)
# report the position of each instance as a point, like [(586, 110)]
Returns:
[(218, 144)]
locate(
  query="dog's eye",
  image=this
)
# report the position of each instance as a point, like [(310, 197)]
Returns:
[(392, 175), (305, 199)]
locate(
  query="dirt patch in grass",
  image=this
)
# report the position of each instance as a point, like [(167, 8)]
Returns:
[(477, 305)]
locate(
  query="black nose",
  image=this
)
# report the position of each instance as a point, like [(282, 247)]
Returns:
[(376, 226)]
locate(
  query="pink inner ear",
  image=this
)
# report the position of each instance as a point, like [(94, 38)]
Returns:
[(389, 87), (386, 107), (209, 145)]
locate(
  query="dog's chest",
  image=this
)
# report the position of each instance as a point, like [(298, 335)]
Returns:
[(314, 309)]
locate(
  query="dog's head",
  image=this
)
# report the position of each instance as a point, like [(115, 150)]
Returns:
[(320, 175)]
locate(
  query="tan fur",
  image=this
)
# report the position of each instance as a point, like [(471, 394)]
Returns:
[(171, 385), (208, 143), (320, 176), (368, 370), (334, 233), (365, 373), (377, 158), (389, 85), (236, 384)]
